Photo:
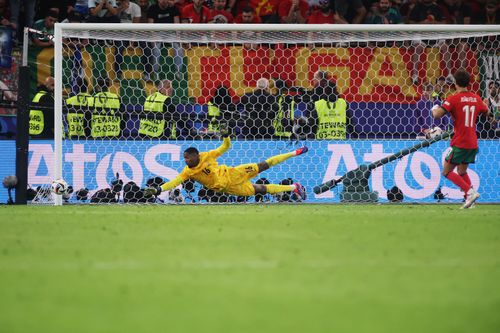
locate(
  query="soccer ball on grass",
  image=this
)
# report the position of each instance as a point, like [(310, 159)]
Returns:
[(59, 187)]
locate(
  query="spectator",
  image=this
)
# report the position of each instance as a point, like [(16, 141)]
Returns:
[(103, 11), (293, 11), (195, 12), (455, 11), (42, 111), (487, 124), (324, 14), (29, 12), (157, 108), (405, 7), (128, 12), (426, 12), (46, 26), (105, 121), (163, 12), (351, 11), (266, 10), (144, 5), (261, 108), (219, 14), (81, 7), (62, 7), (489, 15), (247, 16), (382, 13)]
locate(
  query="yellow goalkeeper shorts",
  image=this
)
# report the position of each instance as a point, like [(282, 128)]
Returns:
[(239, 179)]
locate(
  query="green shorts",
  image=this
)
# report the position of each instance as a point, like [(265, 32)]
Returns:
[(461, 156)]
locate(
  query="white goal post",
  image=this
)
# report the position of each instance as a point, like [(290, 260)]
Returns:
[(352, 49)]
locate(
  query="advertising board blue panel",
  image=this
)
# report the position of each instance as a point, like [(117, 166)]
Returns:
[(95, 164)]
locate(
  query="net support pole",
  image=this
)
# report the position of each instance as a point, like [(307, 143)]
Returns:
[(58, 126)]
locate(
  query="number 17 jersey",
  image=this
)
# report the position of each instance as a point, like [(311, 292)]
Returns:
[(464, 108)]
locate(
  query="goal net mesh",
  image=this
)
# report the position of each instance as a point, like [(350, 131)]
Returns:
[(134, 100)]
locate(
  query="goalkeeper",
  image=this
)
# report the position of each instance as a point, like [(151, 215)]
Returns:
[(203, 168)]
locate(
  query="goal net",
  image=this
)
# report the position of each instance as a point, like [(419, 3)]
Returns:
[(130, 98)]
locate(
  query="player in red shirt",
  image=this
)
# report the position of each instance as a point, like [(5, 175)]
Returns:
[(464, 107)]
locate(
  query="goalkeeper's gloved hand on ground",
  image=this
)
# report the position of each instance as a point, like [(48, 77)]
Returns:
[(150, 191)]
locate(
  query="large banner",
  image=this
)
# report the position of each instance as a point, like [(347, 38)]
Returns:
[(94, 165), (364, 74)]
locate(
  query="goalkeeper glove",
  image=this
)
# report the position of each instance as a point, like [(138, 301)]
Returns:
[(150, 191)]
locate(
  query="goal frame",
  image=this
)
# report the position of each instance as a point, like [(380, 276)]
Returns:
[(145, 27)]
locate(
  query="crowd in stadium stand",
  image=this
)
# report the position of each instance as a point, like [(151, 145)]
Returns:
[(18, 13)]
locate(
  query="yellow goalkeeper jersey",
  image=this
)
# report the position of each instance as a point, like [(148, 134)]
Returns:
[(208, 172)]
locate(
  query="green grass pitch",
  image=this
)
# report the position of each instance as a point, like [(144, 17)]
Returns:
[(247, 268)]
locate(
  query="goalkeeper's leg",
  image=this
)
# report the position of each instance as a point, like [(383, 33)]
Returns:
[(247, 189), (272, 161), (275, 189)]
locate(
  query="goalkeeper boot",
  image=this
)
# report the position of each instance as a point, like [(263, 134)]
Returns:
[(300, 191), (472, 196), (301, 151)]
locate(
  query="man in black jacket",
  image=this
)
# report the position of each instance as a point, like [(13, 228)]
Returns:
[(261, 108)]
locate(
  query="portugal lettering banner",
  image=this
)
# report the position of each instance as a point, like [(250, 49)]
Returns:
[(363, 74)]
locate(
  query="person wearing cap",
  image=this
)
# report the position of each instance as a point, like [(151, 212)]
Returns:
[(260, 106)]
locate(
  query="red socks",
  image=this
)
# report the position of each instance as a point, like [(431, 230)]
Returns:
[(466, 178), (461, 181)]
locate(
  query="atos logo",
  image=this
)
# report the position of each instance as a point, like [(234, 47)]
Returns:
[(418, 175), (95, 170)]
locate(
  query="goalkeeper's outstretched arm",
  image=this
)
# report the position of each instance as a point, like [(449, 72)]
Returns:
[(226, 144), (150, 191)]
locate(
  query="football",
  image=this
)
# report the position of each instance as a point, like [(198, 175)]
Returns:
[(434, 132), (59, 187)]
